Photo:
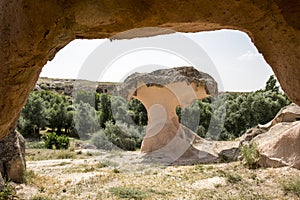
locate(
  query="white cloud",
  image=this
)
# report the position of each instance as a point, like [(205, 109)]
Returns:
[(249, 56)]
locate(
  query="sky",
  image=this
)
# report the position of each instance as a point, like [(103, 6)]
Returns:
[(228, 56)]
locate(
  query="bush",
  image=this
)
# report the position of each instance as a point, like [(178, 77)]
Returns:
[(63, 154), (9, 192), (101, 141), (234, 178), (119, 135), (53, 141), (250, 155), (292, 186)]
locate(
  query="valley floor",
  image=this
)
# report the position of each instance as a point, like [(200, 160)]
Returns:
[(126, 175)]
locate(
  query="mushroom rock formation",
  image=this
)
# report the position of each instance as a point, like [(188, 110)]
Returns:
[(32, 32), (161, 92)]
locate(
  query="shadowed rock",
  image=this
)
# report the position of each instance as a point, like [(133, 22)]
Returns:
[(12, 157)]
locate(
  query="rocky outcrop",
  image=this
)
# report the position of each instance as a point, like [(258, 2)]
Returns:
[(279, 140), (161, 92), (68, 86), (280, 146), (12, 157), (32, 32), (287, 114)]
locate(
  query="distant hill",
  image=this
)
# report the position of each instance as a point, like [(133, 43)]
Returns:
[(67, 86)]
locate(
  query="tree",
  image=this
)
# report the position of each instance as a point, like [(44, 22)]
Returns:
[(85, 118), (86, 97), (137, 112), (56, 105), (58, 117), (105, 112), (69, 123), (271, 84), (34, 112)]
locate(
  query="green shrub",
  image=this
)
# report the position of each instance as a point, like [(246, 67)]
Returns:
[(250, 155), (35, 144), (233, 178), (128, 193), (63, 154), (38, 197), (30, 176), (54, 141), (9, 192), (292, 187), (63, 142), (118, 135), (101, 141)]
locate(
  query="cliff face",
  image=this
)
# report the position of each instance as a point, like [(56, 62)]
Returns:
[(32, 32)]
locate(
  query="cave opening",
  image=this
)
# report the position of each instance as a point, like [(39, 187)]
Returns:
[(241, 68)]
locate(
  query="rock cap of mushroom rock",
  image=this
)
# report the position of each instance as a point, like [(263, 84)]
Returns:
[(164, 77)]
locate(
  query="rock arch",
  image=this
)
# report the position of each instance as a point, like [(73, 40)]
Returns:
[(32, 32)]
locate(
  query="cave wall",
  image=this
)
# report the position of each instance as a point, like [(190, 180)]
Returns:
[(32, 32)]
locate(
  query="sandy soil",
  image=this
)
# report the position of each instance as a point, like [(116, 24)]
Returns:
[(95, 176)]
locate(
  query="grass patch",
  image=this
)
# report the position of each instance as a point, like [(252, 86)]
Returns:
[(292, 186), (9, 192), (30, 176), (49, 154), (250, 155), (233, 178), (116, 171), (35, 145), (65, 154), (61, 164), (38, 197), (128, 193), (230, 177), (107, 163)]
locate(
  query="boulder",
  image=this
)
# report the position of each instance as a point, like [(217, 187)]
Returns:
[(290, 113), (279, 140), (280, 146), (12, 157)]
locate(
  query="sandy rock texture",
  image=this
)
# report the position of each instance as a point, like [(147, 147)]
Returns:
[(161, 91), (32, 32), (279, 140), (12, 157), (280, 146)]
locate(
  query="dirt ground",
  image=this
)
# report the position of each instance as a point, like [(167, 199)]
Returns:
[(128, 175)]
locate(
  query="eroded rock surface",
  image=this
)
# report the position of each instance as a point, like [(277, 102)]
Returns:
[(2, 184), (280, 146), (279, 140), (161, 92), (12, 157), (32, 32)]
